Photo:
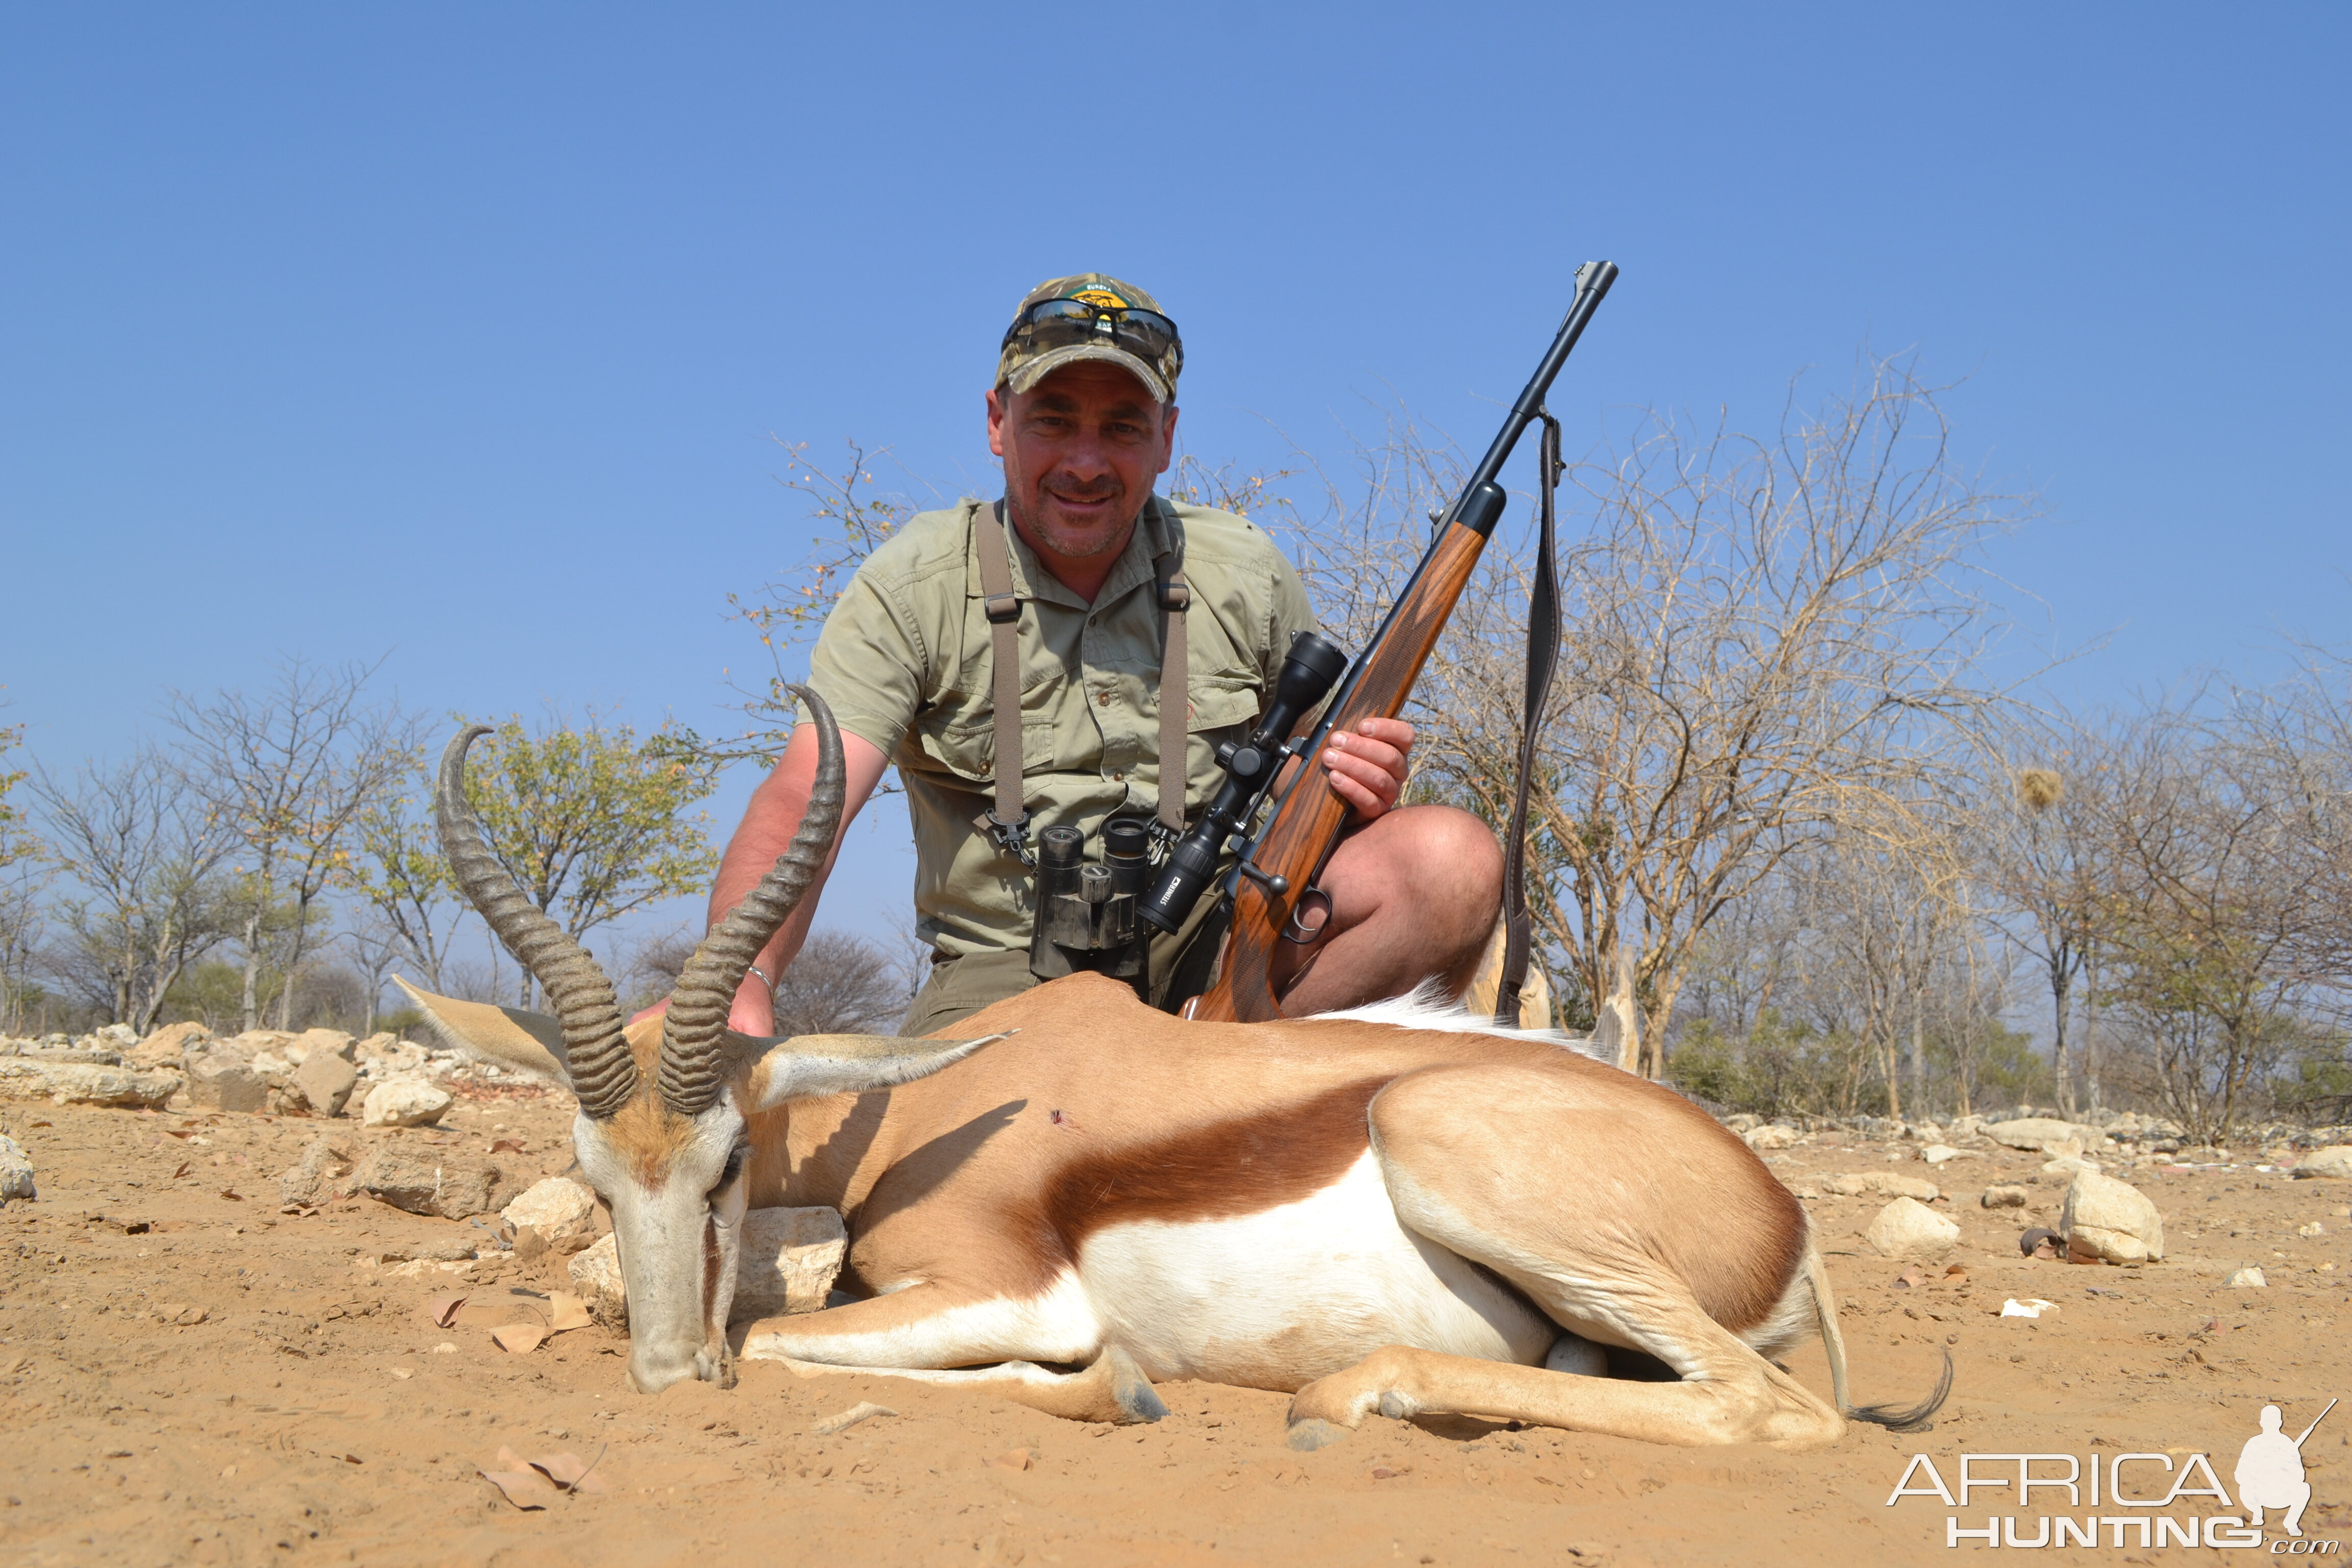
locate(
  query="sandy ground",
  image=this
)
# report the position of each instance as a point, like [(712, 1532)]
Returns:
[(315, 1413)]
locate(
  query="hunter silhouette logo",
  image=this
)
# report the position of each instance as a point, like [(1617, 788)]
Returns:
[(2148, 1499), (2269, 1472)]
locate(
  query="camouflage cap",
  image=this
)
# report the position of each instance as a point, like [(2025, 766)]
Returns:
[(1155, 358)]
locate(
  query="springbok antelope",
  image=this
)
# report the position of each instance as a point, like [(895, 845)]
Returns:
[(1393, 1210)]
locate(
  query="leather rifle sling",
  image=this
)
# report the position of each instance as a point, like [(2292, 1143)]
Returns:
[(1007, 822), (1543, 651)]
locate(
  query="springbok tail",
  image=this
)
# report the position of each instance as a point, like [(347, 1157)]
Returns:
[(1894, 1418)]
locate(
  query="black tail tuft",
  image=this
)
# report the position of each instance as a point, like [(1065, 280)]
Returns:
[(1914, 1420)]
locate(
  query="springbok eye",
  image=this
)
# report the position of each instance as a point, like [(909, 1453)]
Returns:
[(737, 1158)]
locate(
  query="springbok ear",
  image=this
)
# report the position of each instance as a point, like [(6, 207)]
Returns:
[(527, 1042), (807, 1066)]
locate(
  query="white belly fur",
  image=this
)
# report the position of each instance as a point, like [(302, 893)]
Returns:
[(1277, 1299)]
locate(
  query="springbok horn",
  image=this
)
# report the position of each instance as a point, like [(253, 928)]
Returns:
[(595, 1054), (691, 1071)]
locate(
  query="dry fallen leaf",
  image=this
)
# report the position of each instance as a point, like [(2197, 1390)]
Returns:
[(520, 1339), (531, 1483), (177, 1132), (1955, 1271), (507, 1146), (232, 1195), (566, 1471), (850, 1417), (442, 1311), (1013, 1460), (523, 1486), (1909, 1279), (569, 1311), (493, 1315)]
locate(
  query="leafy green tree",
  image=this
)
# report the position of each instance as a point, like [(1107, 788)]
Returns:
[(396, 868), (592, 822)]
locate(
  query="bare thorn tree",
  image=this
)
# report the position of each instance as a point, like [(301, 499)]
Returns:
[(287, 771), (144, 854), (1767, 640)]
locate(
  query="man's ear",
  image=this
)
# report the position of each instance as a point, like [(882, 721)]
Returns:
[(530, 1043), (807, 1066)]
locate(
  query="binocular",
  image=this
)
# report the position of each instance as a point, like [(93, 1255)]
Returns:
[(1087, 913)]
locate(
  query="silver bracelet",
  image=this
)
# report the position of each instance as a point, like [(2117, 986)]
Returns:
[(762, 974)]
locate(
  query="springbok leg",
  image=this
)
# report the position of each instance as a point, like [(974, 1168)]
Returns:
[(1114, 1389), (1588, 1248), (913, 1332)]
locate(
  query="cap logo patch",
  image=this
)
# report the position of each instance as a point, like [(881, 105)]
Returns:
[(1102, 297)]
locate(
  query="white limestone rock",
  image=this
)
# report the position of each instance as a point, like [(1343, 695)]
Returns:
[(404, 1102), (596, 1275), (223, 1079), (324, 1081), (2334, 1161), (168, 1045), (790, 1258), (2111, 1220), (1768, 1136), (2246, 1279), (560, 1212), (85, 1083), (1884, 1183), (314, 1178), (1909, 1228), (16, 1172), (314, 1042), (2045, 1134)]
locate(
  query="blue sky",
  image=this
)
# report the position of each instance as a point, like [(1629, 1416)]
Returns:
[(460, 334)]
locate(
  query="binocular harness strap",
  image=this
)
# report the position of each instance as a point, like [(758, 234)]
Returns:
[(1007, 822)]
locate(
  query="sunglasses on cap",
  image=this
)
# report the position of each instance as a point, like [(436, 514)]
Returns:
[(1058, 323)]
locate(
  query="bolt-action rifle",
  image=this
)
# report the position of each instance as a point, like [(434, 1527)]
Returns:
[(1277, 869)]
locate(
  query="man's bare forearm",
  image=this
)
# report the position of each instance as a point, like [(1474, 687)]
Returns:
[(770, 820)]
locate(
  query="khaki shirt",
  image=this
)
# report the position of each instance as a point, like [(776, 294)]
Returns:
[(903, 661)]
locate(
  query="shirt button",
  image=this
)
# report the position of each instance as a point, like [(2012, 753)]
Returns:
[(1102, 698), (1119, 778)]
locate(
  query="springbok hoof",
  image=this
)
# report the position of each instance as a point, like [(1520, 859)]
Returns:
[(1132, 1392), (1314, 1433)]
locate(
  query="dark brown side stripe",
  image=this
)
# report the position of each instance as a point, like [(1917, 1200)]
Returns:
[(1240, 1167)]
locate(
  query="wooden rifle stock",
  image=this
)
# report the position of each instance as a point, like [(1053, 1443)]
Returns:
[(1309, 819)]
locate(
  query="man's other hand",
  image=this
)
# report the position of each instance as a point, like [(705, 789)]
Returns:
[(1368, 765), (754, 1013)]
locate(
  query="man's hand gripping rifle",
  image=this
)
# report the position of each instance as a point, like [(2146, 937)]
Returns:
[(1281, 863)]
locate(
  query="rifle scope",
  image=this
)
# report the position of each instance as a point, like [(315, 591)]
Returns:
[(1313, 664)]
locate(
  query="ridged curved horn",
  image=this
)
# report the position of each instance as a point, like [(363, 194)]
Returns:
[(690, 1070), (595, 1054)]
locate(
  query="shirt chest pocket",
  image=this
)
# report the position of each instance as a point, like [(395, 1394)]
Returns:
[(961, 736), (1220, 702)]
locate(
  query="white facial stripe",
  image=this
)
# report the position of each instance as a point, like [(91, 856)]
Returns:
[(665, 1234)]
